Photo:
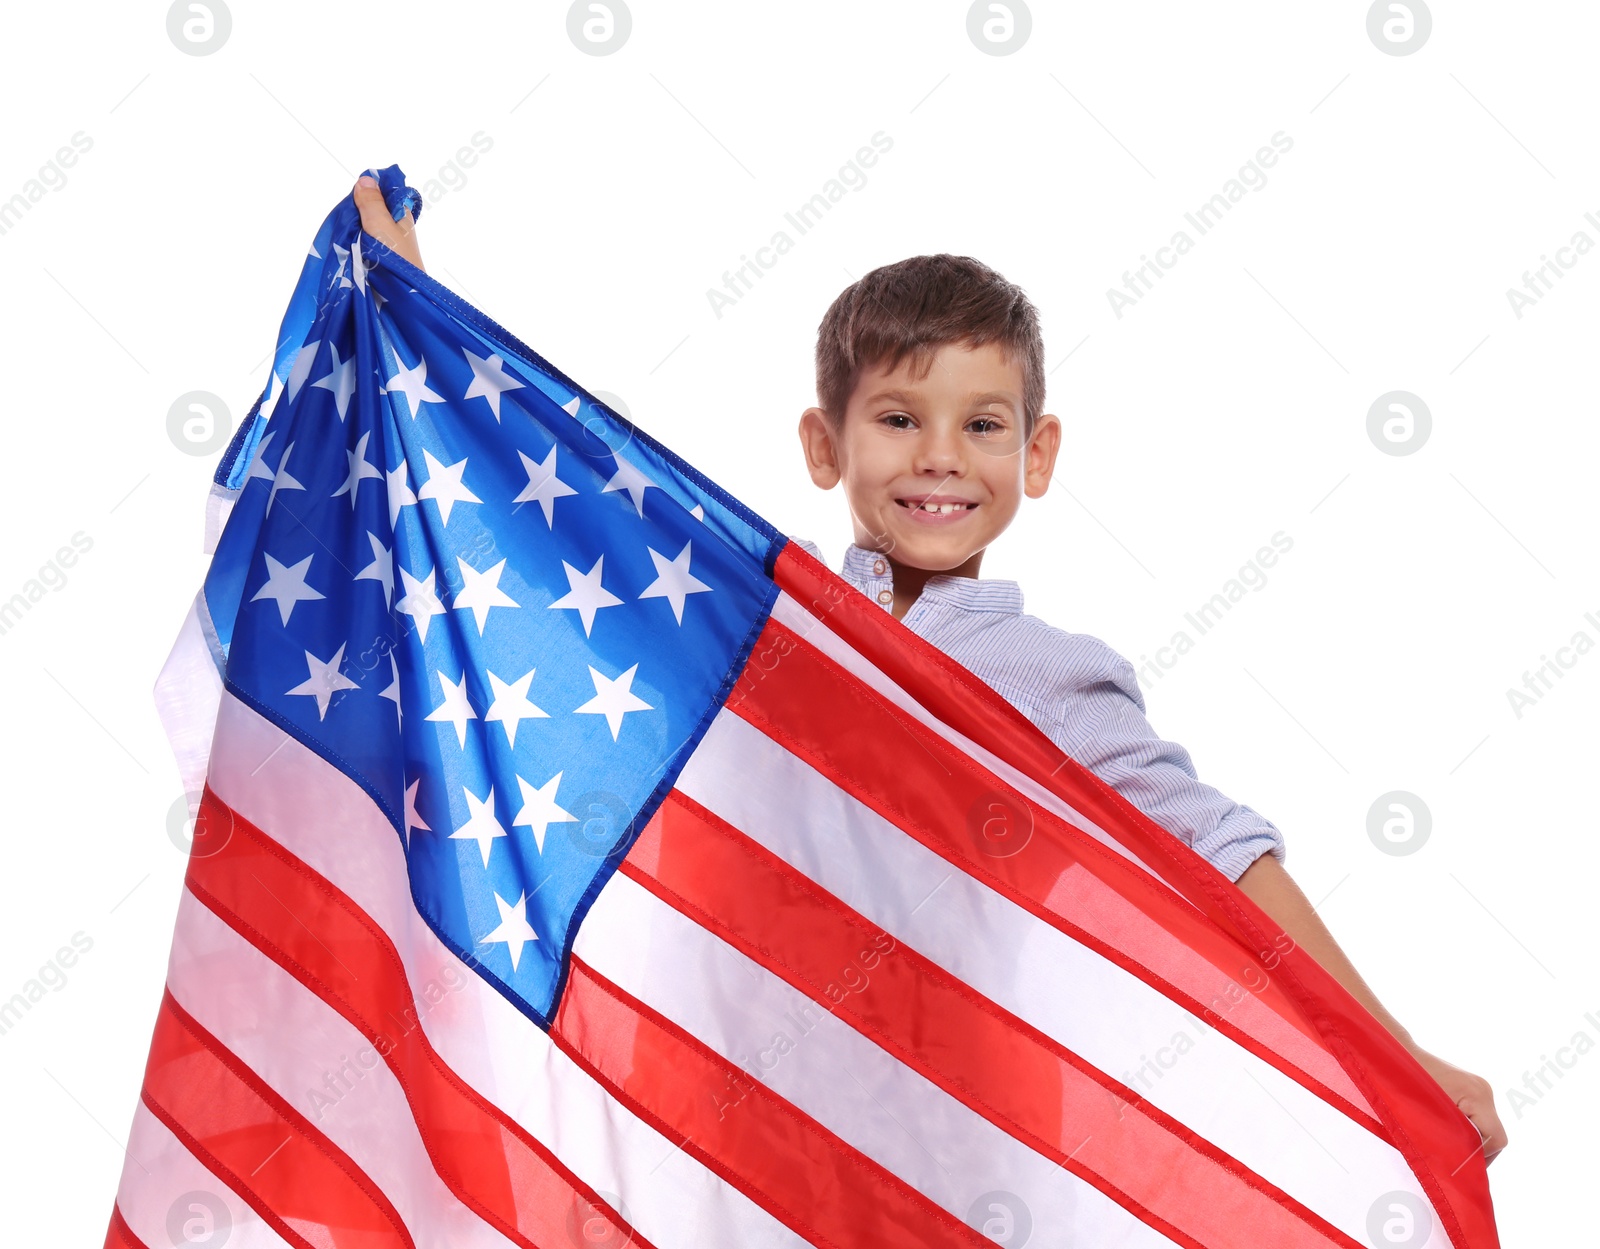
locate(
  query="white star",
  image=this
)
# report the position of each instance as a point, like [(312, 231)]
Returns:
[(381, 569), (481, 827), (344, 258), (286, 586), (571, 406), (673, 580), (632, 480), (489, 380), (419, 601), (586, 595), (324, 680), (301, 368), (281, 480), (543, 487), (698, 512), (511, 705), (360, 470), (613, 699), (392, 693), (400, 494), (455, 709), (414, 383), (413, 820), (341, 382), (540, 810), (480, 591), (444, 486), (258, 466), (358, 266), (514, 928)]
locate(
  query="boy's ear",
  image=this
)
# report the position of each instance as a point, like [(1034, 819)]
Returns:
[(1040, 456), (822, 456)]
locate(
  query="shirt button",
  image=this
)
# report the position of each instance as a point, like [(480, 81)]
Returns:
[(878, 566), (885, 596)]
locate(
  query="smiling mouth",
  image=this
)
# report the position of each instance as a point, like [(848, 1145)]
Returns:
[(938, 509)]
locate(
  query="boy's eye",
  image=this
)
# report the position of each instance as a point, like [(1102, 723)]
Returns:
[(897, 416), (994, 426)]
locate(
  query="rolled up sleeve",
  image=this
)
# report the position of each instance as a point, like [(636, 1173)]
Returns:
[(1102, 725)]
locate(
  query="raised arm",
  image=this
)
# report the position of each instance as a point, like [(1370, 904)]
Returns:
[(1271, 888)]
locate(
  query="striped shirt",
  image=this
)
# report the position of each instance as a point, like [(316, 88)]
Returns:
[(1081, 693)]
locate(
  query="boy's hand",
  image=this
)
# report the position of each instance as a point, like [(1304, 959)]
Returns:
[(398, 236), (1473, 1094)]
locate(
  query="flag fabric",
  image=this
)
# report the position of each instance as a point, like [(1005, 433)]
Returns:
[(578, 862)]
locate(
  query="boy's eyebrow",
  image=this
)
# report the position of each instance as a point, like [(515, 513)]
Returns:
[(988, 396)]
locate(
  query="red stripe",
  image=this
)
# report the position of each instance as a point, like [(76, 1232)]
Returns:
[(926, 786), (119, 1235), (260, 1146), (1437, 1140), (320, 936), (785, 1161), (1016, 1077)]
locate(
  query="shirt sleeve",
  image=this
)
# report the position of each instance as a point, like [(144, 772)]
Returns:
[(808, 546), (1101, 723)]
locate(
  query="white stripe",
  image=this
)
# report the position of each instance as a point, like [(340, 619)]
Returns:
[(1256, 1019), (292, 794), (1220, 1090), (861, 1093), (788, 612), (164, 1186), (317, 1061)]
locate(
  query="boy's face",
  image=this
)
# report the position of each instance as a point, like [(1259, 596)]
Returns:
[(954, 435)]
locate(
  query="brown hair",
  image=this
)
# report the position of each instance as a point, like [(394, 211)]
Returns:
[(915, 306)]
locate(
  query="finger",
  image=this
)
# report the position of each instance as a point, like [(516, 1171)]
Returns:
[(375, 219), (399, 236), (1489, 1127)]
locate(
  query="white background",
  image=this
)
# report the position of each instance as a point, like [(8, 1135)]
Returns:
[(1229, 404)]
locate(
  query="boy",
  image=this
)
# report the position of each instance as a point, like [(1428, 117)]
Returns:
[(930, 379)]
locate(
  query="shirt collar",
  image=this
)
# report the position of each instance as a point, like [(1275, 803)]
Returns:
[(871, 570)]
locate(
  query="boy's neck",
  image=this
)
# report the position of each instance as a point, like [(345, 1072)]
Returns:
[(909, 579)]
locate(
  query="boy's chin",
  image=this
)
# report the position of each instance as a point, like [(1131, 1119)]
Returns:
[(935, 553)]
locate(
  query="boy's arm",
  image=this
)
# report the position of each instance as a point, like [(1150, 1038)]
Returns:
[(1271, 888)]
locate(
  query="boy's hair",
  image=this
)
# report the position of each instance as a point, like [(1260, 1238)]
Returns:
[(915, 306)]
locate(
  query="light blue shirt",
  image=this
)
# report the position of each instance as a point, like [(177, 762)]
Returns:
[(1081, 693)]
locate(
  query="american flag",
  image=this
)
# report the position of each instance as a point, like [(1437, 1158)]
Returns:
[(580, 863)]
